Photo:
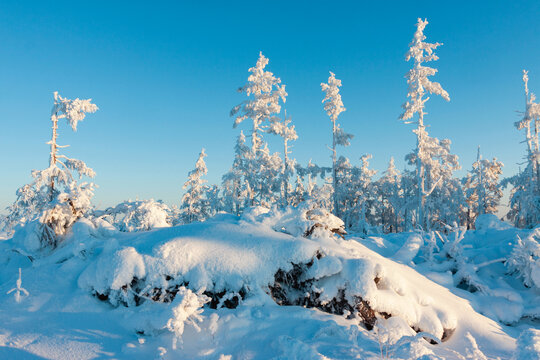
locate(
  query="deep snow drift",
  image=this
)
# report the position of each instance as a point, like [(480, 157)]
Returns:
[(270, 284)]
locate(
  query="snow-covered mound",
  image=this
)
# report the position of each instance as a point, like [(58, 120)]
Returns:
[(490, 221), (198, 290)]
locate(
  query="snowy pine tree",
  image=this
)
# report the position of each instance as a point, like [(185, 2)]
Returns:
[(55, 199), (333, 105), (390, 206), (299, 194), (317, 194), (429, 171), (482, 190), (525, 194), (356, 193), (287, 133), (261, 169), (233, 184), (214, 200), (194, 202)]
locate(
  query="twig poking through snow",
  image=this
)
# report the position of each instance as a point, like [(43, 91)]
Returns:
[(19, 289)]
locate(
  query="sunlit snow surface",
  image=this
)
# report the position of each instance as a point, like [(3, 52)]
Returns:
[(60, 319)]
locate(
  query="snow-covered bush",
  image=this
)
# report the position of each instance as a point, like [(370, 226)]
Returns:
[(446, 251), (139, 215), (525, 259), (465, 271), (154, 318), (306, 220), (453, 247), (187, 309)]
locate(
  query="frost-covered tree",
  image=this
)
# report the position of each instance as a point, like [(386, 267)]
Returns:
[(55, 199), (299, 194), (355, 193), (482, 189), (261, 170), (364, 195), (333, 105), (266, 181), (451, 197), (286, 131), (194, 201), (233, 183), (391, 203), (525, 194), (319, 194), (419, 85), (443, 202), (265, 93), (213, 200)]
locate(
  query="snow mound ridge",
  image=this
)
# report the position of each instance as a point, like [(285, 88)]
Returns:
[(234, 259)]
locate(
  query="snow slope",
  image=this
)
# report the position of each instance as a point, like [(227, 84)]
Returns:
[(108, 294)]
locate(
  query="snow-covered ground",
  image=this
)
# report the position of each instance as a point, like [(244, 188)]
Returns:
[(254, 287)]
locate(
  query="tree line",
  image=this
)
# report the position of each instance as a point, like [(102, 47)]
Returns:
[(427, 195)]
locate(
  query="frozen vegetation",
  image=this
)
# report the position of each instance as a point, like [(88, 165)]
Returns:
[(281, 260)]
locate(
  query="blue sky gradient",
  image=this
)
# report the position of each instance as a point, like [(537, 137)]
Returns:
[(165, 75)]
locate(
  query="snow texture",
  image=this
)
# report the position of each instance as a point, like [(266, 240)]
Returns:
[(208, 265)]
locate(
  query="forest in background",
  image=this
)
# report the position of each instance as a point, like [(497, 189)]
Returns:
[(427, 195)]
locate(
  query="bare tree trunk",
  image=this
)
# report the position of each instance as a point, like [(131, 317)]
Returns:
[(285, 173), (420, 174), (334, 175), (54, 148)]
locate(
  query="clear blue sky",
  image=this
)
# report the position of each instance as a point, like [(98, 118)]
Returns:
[(165, 74)]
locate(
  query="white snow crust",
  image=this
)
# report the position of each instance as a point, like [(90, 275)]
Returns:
[(235, 254)]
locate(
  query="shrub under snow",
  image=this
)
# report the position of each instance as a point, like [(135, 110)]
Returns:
[(306, 220), (139, 215), (187, 309), (525, 259)]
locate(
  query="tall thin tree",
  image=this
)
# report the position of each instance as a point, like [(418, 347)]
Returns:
[(333, 105), (419, 86)]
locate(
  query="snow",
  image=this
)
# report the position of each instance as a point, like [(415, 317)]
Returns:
[(528, 345), (340, 265), (525, 259), (490, 221), (409, 250), (243, 254)]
